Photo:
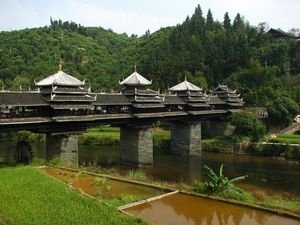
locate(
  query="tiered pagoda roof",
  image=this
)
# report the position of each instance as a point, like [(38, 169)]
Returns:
[(64, 91), (191, 94), (135, 80), (134, 90), (229, 96)]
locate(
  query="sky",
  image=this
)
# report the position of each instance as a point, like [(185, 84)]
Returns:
[(137, 16)]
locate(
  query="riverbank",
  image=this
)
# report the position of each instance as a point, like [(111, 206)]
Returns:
[(30, 197), (281, 146), (256, 198)]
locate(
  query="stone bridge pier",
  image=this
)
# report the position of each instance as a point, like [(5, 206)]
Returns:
[(186, 138), (136, 142), (136, 145), (63, 146)]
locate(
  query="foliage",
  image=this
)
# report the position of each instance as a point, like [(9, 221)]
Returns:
[(292, 152), (122, 200), (137, 175), (29, 136), (100, 181), (283, 109), (247, 124), (206, 51), (221, 185), (218, 144), (42, 200)]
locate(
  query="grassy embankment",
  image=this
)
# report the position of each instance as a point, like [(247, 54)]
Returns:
[(30, 197), (287, 138)]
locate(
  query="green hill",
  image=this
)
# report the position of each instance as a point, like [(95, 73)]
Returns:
[(207, 52)]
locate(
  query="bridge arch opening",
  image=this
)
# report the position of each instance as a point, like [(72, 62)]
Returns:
[(23, 153)]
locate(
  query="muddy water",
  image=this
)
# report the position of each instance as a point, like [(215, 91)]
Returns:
[(266, 176), (101, 187), (181, 209)]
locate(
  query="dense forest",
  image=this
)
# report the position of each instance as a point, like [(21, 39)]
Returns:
[(264, 69)]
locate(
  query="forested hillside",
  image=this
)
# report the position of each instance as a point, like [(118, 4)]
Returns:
[(266, 70)]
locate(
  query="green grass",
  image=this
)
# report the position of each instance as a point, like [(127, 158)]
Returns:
[(30, 197), (122, 200), (105, 135), (138, 175), (103, 131), (287, 138), (278, 203)]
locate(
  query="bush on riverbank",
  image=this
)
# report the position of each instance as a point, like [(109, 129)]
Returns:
[(222, 186), (248, 125), (218, 144), (276, 149)]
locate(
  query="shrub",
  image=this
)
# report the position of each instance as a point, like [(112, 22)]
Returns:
[(137, 175), (221, 185), (247, 124)]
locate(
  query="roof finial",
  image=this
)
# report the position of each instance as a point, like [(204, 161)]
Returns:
[(185, 78), (60, 67), (135, 67)]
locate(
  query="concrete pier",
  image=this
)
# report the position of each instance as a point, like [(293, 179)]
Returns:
[(186, 138), (63, 146), (136, 145)]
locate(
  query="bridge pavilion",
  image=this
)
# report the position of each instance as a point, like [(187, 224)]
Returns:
[(63, 106)]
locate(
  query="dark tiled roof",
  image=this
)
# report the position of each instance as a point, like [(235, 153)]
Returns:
[(111, 99), (70, 90), (207, 112), (198, 105), (145, 106), (148, 99), (72, 98), (75, 106), (214, 100), (173, 100), (140, 92), (22, 99)]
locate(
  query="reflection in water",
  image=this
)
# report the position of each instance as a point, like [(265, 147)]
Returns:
[(273, 176), (181, 209)]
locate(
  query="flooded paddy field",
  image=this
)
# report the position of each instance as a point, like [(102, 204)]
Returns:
[(183, 209), (102, 188)]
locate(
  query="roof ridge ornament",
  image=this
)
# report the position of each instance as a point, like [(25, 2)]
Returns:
[(60, 67)]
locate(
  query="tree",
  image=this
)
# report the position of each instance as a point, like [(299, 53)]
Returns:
[(238, 23), (227, 22), (198, 22), (209, 21), (282, 110), (248, 125)]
